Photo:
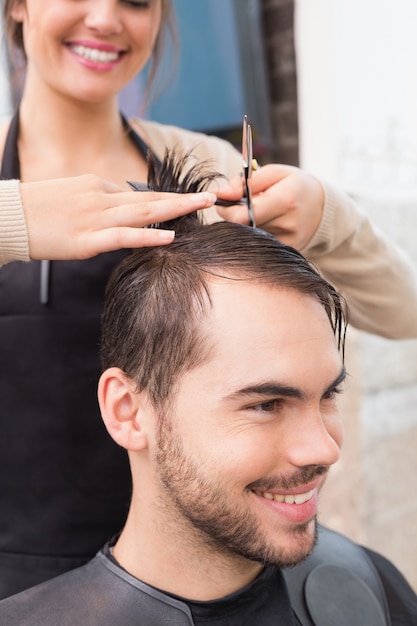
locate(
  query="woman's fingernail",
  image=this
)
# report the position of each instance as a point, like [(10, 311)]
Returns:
[(166, 235), (204, 198)]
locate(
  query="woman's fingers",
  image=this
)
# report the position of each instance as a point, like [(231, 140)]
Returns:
[(79, 217), (117, 238), (147, 208), (287, 202)]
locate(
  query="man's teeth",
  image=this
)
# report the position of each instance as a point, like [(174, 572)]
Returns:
[(299, 498), (92, 54)]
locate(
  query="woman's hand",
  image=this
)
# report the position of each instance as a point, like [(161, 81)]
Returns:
[(287, 202), (77, 218)]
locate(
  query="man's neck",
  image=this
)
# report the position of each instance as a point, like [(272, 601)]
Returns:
[(173, 560)]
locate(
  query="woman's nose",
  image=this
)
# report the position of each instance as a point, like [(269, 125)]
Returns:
[(103, 17)]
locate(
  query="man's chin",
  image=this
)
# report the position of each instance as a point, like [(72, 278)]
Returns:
[(299, 545), (304, 538)]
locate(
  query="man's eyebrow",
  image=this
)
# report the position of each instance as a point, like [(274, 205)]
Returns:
[(270, 389)]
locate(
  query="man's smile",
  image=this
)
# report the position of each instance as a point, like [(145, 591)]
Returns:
[(298, 498)]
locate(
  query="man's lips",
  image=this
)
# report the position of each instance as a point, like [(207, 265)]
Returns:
[(298, 498), (295, 504), (295, 508)]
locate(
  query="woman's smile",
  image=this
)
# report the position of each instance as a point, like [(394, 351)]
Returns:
[(96, 56)]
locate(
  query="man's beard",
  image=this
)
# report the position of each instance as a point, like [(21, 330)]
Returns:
[(223, 525)]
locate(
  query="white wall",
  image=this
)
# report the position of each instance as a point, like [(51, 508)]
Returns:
[(357, 64), (357, 72)]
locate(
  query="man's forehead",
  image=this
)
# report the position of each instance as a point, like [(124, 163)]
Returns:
[(263, 316), (236, 290)]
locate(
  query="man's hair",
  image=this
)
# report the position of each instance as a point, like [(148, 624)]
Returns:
[(157, 297)]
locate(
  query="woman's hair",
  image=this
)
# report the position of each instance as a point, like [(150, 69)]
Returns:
[(168, 30), (13, 29), (157, 297)]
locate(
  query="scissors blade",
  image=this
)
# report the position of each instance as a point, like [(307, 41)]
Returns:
[(247, 158), (245, 144)]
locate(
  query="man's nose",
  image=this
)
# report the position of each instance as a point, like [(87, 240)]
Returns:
[(314, 440)]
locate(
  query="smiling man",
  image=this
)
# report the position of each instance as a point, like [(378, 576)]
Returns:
[(229, 461), (223, 357)]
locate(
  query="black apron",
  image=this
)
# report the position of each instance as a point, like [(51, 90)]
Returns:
[(64, 484)]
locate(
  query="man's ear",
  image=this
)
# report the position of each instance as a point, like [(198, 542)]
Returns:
[(123, 409)]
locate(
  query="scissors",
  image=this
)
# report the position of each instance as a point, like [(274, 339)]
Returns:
[(247, 156), (247, 159)]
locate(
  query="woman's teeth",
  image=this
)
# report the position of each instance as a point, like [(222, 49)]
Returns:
[(92, 54)]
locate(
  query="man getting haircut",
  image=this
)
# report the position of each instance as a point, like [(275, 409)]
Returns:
[(222, 359)]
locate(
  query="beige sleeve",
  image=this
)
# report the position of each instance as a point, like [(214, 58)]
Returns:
[(376, 277), (14, 243)]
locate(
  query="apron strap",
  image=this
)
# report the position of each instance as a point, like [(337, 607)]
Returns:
[(140, 144)]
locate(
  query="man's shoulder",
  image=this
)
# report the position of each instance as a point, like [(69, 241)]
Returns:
[(341, 577), (54, 601), (99, 592)]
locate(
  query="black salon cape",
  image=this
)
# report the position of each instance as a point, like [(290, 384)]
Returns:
[(103, 594), (64, 484)]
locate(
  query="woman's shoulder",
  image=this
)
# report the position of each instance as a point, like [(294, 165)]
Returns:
[(161, 136)]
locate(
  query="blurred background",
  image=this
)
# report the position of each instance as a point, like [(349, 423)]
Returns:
[(332, 86)]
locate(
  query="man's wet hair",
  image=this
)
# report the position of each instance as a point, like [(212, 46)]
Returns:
[(157, 297), (178, 173)]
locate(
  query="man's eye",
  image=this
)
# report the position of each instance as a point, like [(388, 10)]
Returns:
[(332, 393), (269, 406)]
